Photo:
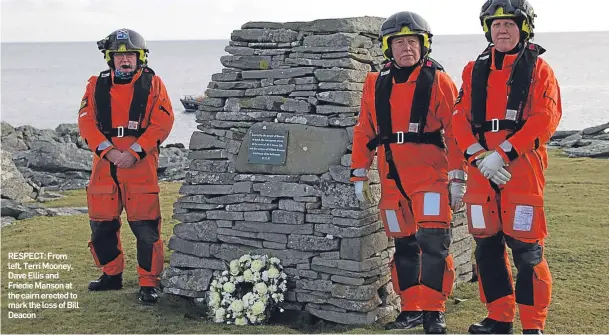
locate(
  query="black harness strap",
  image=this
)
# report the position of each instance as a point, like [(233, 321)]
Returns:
[(137, 110), (418, 115), (519, 84)]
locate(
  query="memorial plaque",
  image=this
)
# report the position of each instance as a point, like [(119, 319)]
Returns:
[(267, 146)]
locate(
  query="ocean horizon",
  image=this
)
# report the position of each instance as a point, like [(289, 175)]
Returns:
[(43, 82)]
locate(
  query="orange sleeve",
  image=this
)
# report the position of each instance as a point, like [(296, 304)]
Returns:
[(446, 99), (545, 112), (160, 119), (364, 131), (87, 121), (462, 116)]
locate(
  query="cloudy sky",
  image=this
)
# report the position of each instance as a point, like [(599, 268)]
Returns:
[(86, 20)]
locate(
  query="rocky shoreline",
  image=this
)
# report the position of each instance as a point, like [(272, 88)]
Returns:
[(36, 163), (591, 142)]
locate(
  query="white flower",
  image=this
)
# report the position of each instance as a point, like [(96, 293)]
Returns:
[(258, 308), (247, 298), (275, 260), (214, 282), (225, 273), (229, 287), (248, 276), (257, 265), (240, 321), (273, 272), (214, 299), (252, 318), (283, 287), (239, 279), (261, 288), (220, 315), (236, 306), (256, 276), (265, 276), (283, 275), (273, 288), (281, 310), (245, 258), (234, 267)]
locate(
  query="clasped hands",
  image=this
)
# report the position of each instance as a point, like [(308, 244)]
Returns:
[(492, 166), (121, 159)]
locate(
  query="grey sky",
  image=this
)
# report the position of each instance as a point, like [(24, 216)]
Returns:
[(87, 20)]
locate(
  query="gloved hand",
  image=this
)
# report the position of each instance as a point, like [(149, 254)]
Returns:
[(362, 191), (501, 177), (490, 164), (126, 160), (457, 190)]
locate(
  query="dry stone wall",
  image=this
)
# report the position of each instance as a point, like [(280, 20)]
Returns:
[(303, 79)]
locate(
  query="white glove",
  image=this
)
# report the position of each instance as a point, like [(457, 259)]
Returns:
[(501, 177), (490, 164), (362, 191), (457, 190)]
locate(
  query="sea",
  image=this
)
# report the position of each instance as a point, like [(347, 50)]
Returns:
[(43, 83)]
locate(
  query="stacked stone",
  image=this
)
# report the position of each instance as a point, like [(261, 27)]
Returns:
[(306, 78)]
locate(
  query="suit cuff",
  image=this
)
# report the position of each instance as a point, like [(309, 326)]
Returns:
[(507, 151), (136, 150), (103, 148), (459, 175), (359, 174)]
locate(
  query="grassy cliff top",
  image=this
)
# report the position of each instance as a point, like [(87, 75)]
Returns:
[(577, 195)]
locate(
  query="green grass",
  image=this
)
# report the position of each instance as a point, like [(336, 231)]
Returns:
[(577, 195)]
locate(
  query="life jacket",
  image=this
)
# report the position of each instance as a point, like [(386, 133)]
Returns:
[(137, 110), (519, 83), (418, 115)]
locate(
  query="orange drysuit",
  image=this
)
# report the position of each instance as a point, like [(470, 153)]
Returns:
[(512, 213), (136, 188), (422, 269)]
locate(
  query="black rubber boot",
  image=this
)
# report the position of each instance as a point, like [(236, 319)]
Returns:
[(148, 295), (532, 331), (434, 322), (406, 320), (490, 326), (106, 282)]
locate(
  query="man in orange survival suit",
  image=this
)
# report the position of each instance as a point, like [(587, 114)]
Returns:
[(508, 107), (406, 112), (124, 116)]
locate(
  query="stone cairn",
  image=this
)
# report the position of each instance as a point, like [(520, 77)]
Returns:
[(304, 78)]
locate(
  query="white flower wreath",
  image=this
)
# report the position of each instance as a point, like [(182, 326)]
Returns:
[(248, 292)]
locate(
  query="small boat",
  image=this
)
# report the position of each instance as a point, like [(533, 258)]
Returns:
[(192, 102)]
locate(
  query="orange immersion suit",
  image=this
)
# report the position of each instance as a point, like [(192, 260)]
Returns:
[(422, 268), (105, 123), (512, 213)]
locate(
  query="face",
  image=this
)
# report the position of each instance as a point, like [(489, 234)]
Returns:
[(125, 61), (505, 34), (406, 50)]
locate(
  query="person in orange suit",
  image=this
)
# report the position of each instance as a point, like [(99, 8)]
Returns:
[(124, 116), (508, 108), (405, 117)]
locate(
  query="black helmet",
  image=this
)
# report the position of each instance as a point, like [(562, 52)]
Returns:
[(519, 10), (402, 24), (123, 40)]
